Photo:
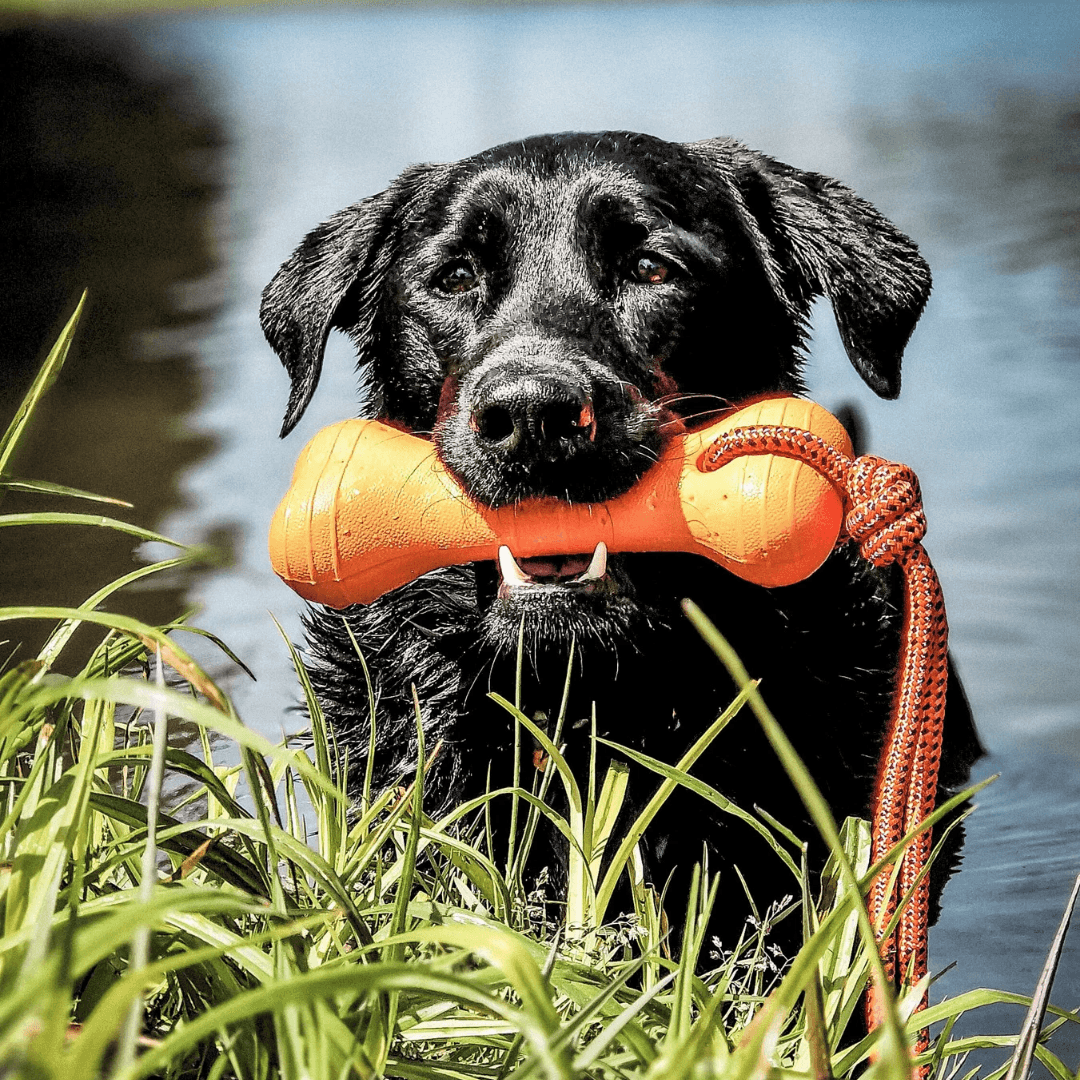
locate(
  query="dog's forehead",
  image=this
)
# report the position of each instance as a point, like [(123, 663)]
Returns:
[(572, 184), (527, 193)]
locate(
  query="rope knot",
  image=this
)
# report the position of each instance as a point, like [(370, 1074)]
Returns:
[(884, 509)]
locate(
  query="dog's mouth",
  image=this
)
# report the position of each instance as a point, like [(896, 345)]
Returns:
[(582, 573)]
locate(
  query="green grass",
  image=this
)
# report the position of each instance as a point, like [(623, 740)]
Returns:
[(257, 922)]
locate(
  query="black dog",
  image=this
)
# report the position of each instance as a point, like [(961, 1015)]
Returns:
[(547, 311)]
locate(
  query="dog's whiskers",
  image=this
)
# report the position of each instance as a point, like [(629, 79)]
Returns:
[(690, 418), (667, 400)]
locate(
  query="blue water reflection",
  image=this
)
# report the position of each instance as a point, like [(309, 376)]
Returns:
[(959, 120)]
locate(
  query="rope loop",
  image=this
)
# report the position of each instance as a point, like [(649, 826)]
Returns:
[(883, 509)]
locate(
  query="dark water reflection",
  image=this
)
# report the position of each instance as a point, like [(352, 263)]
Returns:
[(959, 120), (108, 179)]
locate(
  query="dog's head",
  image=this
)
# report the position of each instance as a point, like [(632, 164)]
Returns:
[(548, 309)]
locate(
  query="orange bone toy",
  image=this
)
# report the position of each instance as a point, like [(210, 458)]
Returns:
[(371, 508)]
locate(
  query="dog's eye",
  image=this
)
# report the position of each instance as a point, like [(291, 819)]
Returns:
[(457, 277), (650, 270)]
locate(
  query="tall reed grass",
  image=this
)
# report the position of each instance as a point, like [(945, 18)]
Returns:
[(260, 921)]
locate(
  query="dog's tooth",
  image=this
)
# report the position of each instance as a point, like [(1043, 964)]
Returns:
[(597, 565), (512, 573)]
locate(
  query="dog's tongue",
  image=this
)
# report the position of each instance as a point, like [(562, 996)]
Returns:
[(554, 567)]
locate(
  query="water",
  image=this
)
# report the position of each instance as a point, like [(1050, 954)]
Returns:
[(960, 121), (107, 183)]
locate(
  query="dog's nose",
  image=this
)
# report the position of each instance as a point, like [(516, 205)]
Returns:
[(535, 414)]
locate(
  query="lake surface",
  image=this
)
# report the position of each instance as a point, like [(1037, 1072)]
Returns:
[(960, 121)]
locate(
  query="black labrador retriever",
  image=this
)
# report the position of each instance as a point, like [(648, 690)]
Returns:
[(548, 312)]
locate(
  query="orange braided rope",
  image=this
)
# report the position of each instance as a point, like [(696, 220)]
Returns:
[(883, 514)]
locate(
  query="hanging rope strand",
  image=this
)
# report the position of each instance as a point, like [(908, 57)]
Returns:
[(926, 633), (884, 516)]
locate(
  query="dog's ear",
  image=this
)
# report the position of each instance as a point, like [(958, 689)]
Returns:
[(334, 279), (301, 304), (818, 238)]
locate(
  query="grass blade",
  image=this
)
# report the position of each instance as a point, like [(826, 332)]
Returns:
[(46, 376), (46, 487), (140, 941), (1020, 1066), (93, 520)]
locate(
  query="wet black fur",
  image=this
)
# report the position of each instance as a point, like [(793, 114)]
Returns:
[(550, 229)]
